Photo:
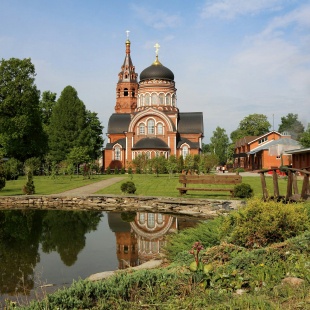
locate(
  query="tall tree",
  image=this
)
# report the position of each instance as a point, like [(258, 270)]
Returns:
[(219, 144), (47, 103), (292, 125), (21, 132), (252, 125), (67, 123), (305, 137), (91, 136)]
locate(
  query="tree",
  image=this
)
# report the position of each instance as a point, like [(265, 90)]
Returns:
[(305, 137), (78, 155), (21, 132), (292, 125), (47, 103), (91, 136), (219, 144), (67, 123), (252, 125)]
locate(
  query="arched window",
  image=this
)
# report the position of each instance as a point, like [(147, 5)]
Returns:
[(117, 153), (160, 218), (184, 151), (147, 99), (141, 129), (154, 99), (168, 99), (173, 100), (151, 220), (141, 218), (161, 99), (150, 127), (133, 92), (148, 155), (160, 129), (125, 92)]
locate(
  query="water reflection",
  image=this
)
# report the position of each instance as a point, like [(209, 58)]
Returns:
[(68, 245)]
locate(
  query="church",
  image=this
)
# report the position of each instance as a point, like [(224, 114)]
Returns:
[(146, 119)]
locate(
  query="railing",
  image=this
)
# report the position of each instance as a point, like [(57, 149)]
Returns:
[(292, 192)]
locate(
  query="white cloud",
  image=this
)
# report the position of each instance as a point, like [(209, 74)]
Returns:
[(229, 9), (156, 18)]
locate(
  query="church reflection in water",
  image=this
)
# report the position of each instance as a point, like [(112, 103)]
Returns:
[(142, 237)]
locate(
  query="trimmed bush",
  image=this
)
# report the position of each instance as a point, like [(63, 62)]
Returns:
[(243, 190), (128, 187), (262, 223), (29, 188)]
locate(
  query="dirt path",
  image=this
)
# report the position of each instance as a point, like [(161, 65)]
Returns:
[(91, 188)]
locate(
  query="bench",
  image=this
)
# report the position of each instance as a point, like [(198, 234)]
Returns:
[(213, 179)]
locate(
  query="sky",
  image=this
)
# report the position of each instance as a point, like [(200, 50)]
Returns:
[(230, 58)]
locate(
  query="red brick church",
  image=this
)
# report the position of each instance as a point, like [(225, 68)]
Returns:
[(146, 119)]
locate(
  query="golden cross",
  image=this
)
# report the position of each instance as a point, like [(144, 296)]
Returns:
[(127, 31), (157, 46)]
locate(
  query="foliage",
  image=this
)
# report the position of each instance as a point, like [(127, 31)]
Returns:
[(78, 155), (21, 132), (29, 188), (208, 162), (12, 168), (243, 190), (46, 105), (260, 224), (219, 144), (32, 165), (305, 137), (292, 125), (128, 187), (140, 163), (252, 125), (128, 216), (158, 164), (207, 232), (2, 182)]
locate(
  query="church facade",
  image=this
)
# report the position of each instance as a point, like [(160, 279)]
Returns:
[(147, 120)]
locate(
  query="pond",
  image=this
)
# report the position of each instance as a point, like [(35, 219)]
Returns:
[(51, 248)]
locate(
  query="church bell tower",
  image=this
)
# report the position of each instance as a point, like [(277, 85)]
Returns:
[(127, 85)]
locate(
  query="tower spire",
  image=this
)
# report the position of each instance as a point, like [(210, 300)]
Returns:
[(156, 62)]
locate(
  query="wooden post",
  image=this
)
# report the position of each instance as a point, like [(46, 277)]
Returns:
[(289, 185), (264, 187), (305, 187), (295, 187), (275, 184)]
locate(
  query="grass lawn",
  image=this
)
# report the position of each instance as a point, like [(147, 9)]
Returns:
[(146, 184), (46, 185), (164, 185)]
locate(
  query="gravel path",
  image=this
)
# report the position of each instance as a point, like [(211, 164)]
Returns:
[(91, 188)]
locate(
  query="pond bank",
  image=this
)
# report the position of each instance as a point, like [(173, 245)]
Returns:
[(202, 208)]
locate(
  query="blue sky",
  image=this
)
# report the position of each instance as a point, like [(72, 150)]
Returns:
[(230, 58)]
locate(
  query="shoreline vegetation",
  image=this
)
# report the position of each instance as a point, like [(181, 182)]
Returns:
[(257, 257)]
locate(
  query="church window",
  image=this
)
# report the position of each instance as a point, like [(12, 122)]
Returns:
[(151, 220), (147, 99), (157, 153), (160, 218), (132, 93), (154, 99), (168, 99), (125, 249), (173, 100), (141, 218), (125, 92), (141, 129), (117, 153), (160, 129), (148, 155), (151, 127), (185, 151), (161, 99)]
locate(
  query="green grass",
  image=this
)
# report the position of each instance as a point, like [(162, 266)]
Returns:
[(164, 185), (46, 185), (146, 184)]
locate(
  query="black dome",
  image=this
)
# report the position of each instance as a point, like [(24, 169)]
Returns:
[(156, 71)]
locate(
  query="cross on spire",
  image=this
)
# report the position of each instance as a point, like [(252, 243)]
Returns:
[(127, 31), (157, 46)]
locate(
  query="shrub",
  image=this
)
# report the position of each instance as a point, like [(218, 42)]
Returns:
[(243, 190), (262, 223), (29, 188), (2, 183), (128, 187), (108, 170)]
